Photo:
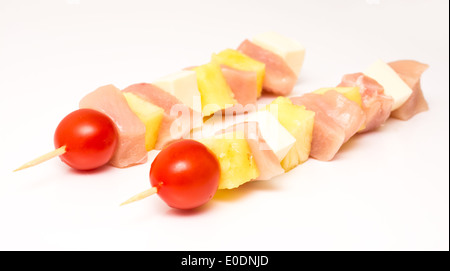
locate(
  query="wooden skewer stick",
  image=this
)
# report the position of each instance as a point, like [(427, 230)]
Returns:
[(43, 158), (142, 195)]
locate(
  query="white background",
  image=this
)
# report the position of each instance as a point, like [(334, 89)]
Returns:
[(386, 190)]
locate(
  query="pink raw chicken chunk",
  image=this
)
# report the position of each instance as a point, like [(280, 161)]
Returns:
[(343, 111), (410, 71), (337, 119), (243, 84), (130, 148), (376, 105), (174, 124), (266, 160), (328, 138), (279, 79)]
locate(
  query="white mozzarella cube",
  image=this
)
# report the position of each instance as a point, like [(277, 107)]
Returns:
[(392, 83), (276, 136), (182, 85), (290, 50)]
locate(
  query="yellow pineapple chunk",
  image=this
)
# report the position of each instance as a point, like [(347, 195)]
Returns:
[(351, 93), (300, 123), (214, 90), (237, 164), (237, 60), (151, 115)]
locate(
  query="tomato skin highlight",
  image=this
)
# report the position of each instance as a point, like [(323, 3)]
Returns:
[(186, 174), (90, 138)]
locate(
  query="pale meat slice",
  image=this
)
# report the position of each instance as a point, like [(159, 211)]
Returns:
[(410, 72), (279, 79), (343, 111), (178, 118), (329, 133), (266, 160), (130, 148), (328, 138), (243, 84), (375, 104)]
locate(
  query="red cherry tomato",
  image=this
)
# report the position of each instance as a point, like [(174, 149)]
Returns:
[(90, 138), (186, 174)]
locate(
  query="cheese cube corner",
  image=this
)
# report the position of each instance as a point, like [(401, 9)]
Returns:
[(288, 49)]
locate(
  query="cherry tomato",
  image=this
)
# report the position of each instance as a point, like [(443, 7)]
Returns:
[(186, 174), (90, 138)]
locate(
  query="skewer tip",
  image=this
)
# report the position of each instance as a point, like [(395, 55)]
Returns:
[(142, 195), (57, 152)]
